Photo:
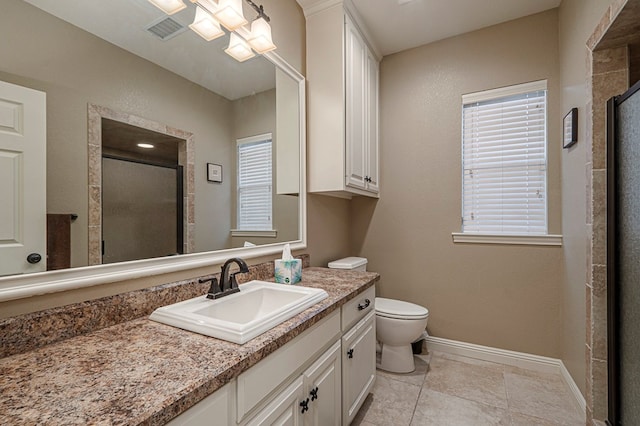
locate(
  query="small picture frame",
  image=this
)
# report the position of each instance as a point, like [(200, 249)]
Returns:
[(214, 172), (570, 128)]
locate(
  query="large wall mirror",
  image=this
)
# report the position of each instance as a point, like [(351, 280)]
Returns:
[(117, 74)]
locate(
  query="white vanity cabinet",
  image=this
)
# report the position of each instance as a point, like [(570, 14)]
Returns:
[(358, 353), (312, 399), (281, 385), (342, 75), (319, 378)]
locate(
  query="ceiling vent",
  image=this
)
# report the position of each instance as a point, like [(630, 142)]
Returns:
[(166, 28)]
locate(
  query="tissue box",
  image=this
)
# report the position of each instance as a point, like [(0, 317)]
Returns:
[(288, 271)]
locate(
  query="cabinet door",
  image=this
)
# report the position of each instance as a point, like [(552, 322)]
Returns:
[(323, 388), (355, 88), (358, 365), (372, 123), (284, 408)]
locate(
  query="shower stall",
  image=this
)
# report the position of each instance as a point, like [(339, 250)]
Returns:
[(623, 256)]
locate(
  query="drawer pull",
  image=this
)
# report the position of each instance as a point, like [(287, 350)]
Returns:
[(365, 305), (305, 405), (350, 353), (314, 393)]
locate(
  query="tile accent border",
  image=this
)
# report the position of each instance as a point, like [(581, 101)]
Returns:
[(512, 358), (186, 158)]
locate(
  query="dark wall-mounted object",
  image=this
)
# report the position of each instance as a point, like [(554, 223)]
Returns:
[(570, 128)]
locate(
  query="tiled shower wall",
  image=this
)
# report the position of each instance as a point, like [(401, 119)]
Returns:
[(608, 75)]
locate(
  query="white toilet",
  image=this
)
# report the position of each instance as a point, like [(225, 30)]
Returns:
[(398, 324)]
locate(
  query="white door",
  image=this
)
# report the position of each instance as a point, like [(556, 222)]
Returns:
[(22, 180)]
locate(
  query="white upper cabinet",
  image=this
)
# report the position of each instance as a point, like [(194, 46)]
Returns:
[(342, 76)]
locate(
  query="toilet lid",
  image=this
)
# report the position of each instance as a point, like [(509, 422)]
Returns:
[(392, 308)]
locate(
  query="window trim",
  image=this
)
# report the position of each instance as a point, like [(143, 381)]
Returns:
[(252, 232), (531, 240), (493, 238)]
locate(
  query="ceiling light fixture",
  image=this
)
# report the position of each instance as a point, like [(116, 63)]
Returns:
[(209, 15), (238, 48), (230, 14), (260, 39), (205, 25), (146, 145), (169, 6)]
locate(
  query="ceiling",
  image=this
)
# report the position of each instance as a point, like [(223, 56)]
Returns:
[(124, 23), (396, 25)]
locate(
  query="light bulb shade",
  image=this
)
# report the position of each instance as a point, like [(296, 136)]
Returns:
[(238, 48), (260, 39), (169, 6), (205, 25), (230, 14)]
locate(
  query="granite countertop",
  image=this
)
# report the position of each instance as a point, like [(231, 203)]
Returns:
[(141, 372)]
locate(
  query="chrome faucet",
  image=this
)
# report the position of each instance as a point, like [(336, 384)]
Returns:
[(228, 284)]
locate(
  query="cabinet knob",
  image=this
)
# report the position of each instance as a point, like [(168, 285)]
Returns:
[(350, 353), (314, 393), (365, 305), (305, 405)]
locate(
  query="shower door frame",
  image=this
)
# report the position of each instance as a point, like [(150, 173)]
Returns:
[(613, 329)]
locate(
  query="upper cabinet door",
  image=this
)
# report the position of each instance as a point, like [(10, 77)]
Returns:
[(355, 113), (372, 124)]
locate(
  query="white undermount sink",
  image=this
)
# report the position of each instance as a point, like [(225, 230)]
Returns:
[(239, 317)]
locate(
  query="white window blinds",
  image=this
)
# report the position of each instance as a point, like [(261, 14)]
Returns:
[(255, 183), (504, 140)]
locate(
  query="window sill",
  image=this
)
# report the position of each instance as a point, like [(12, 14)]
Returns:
[(249, 233), (529, 240)]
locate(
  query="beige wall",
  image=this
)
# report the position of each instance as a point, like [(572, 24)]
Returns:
[(496, 295), (577, 21)]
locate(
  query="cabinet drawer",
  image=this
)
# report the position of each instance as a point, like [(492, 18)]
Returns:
[(218, 405), (356, 308), (257, 382)]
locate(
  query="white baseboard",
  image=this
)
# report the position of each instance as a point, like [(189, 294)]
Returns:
[(515, 359)]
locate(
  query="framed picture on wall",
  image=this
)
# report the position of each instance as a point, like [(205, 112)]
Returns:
[(214, 172), (570, 128)]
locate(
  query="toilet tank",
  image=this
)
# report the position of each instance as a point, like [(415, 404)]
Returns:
[(351, 263)]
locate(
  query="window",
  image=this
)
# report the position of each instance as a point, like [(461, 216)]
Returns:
[(255, 183), (504, 161)]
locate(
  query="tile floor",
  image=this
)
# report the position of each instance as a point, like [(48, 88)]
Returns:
[(452, 390)]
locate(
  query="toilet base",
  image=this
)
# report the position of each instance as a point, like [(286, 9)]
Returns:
[(397, 359)]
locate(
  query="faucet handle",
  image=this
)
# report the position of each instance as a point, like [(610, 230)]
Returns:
[(232, 279), (213, 289)]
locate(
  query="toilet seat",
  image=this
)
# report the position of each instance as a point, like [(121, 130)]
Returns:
[(398, 309)]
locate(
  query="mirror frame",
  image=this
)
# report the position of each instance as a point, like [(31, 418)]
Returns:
[(39, 283)]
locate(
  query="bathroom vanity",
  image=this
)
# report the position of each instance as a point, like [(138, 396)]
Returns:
[(315, 368)]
